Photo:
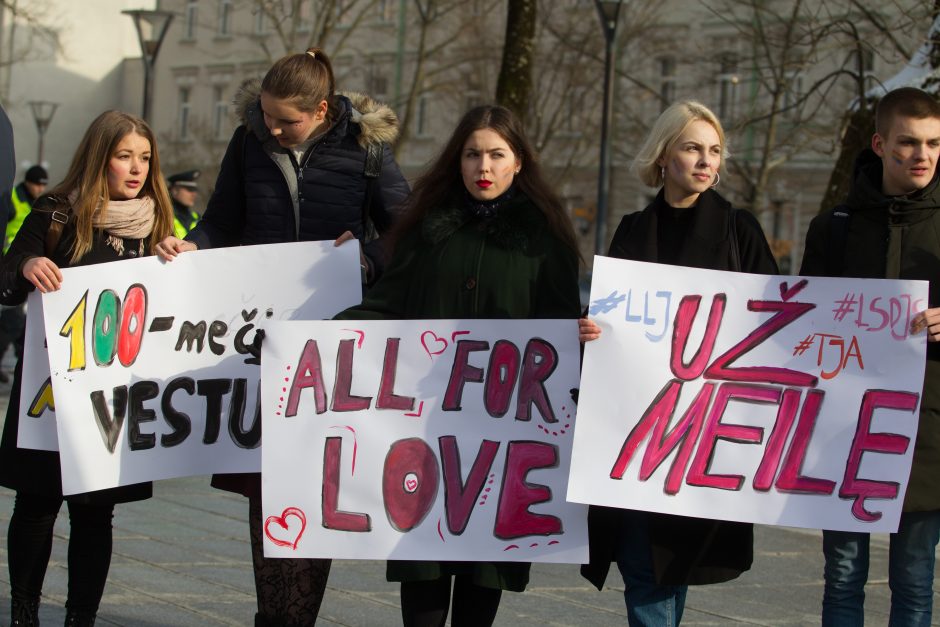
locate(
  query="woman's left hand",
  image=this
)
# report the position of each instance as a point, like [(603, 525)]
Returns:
[(588, 331), (928, 319)]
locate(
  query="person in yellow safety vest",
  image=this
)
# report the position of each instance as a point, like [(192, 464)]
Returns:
[(183, 191), (21, 200), (19, 204)]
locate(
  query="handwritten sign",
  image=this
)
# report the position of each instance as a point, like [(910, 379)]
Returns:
[(427, 440), (154, 367), (776, 400), (36, 427)]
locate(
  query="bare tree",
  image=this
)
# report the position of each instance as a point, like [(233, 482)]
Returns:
[(858, 123), (519, 50), (28, 32)]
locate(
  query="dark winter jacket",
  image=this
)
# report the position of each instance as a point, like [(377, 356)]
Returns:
[(686, 550), (259, 181), (892, 237), (456, 266), (38, 472)]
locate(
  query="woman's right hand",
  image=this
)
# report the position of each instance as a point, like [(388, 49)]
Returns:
[(171, 246), (588, 330), (43, 273)]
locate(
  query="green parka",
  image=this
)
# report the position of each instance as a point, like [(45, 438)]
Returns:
[(892, 237), (455, 265)]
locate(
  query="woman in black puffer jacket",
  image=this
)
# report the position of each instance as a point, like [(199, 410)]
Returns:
[(306, 164)]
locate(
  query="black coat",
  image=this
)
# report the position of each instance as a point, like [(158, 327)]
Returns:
[(31, 471), (894, 238), (686, 550), (253, 200)]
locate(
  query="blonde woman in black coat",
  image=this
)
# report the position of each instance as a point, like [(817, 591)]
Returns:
[(688, 224)]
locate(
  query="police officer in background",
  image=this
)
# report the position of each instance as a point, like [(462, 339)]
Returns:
[(183, 191), (21, 200), (18, 204)]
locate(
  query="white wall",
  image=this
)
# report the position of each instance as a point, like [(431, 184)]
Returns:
[(98, 68)]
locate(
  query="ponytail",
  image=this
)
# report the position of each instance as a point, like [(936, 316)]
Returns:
[(306, 79)]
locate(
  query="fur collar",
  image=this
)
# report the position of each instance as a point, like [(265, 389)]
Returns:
[(515, 227), (375, 122)]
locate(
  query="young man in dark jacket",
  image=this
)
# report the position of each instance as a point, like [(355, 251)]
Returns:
[(890, 228)]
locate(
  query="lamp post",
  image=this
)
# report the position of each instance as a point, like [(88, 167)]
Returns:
[(43, 110), (609, 12), (151, 29)]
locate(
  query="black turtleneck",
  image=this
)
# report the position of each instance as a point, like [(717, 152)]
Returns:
[(672, 227)]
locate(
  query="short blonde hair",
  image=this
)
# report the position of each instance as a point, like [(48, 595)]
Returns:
[(666, 131)]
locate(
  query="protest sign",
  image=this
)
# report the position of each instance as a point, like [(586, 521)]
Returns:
[(36, 427), (423, 440), (155, 368), (770, 399)]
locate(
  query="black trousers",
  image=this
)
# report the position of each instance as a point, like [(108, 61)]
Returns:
[(29, 544), (426, 603)]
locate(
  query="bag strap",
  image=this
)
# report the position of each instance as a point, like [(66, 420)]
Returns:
[(61, 214), (371, 171)]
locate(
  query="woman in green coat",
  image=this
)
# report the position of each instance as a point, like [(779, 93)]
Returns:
[(483, 236)]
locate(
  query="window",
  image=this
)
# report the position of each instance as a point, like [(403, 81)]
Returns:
[(219, 112), (667, 77), (861, 62), (792, 96), (727, 86), (183, 115), (386, 11), (225, 18), (261, 26), (304, 21), (344, 14), (422, 126), (190, 15)]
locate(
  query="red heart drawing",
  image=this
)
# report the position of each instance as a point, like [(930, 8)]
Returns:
[(411, 484), (281, 521), (435, 342)]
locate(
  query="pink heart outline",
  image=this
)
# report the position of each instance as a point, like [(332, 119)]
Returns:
[(281, 521), (437, 340)]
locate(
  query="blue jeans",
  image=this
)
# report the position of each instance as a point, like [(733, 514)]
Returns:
[(910, 573), (649, 604)]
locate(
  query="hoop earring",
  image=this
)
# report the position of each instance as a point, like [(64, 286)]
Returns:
[(717, 178)]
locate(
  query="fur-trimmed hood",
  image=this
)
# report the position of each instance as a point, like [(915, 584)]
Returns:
[(376, 122)]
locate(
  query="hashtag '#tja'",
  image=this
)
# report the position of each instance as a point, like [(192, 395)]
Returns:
[(801, 348)]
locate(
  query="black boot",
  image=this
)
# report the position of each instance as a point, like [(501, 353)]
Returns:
[(265, 620), (76, 618), (24, 613)]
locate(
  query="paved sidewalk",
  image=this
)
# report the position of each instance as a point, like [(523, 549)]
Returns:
[(182, 558)]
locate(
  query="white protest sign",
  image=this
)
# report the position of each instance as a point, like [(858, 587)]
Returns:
[(154, 368), (36, 427), (420, 440), (770, 399)]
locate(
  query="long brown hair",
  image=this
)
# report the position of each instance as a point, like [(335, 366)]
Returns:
[(437, 185), (304, 80), (87, 178)]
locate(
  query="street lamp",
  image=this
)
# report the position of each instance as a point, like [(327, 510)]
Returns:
[(151, 29), (609, 12), (43, 110)]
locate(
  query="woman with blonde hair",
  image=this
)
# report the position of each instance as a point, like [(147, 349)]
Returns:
[(112, 205), (688, 224)]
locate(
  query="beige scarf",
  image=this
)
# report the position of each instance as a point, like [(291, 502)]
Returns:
[(130, 219)]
